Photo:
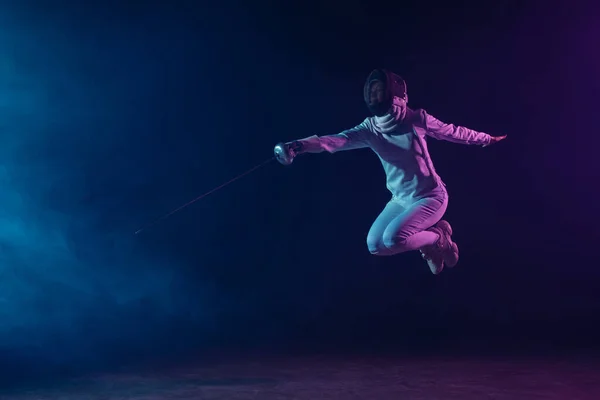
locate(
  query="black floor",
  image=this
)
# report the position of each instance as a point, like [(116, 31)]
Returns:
[(338, 377)]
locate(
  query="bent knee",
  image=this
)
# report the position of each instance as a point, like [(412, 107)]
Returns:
[(375, 245)]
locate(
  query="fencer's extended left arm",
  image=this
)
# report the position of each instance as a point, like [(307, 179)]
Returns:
[(453, 133)]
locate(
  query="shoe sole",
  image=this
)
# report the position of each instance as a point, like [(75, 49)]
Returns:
[(433, 268)]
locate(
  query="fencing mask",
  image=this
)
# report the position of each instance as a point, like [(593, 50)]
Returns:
[(379, 98)]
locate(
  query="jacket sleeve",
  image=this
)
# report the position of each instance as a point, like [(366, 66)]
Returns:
[(350, 139), (453, 133)]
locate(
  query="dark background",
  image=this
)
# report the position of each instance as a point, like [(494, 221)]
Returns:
[(114, 113)]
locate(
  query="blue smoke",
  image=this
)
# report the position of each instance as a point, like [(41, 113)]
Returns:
[(75, 283)]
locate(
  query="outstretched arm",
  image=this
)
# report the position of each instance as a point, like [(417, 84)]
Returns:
[(457, 134), (354, 138)]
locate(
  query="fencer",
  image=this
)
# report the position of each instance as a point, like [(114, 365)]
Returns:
[(412, 218)]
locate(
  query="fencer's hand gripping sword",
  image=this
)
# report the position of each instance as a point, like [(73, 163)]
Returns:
[(283, 153)]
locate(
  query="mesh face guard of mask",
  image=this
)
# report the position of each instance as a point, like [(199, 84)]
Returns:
[(394, 86)]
